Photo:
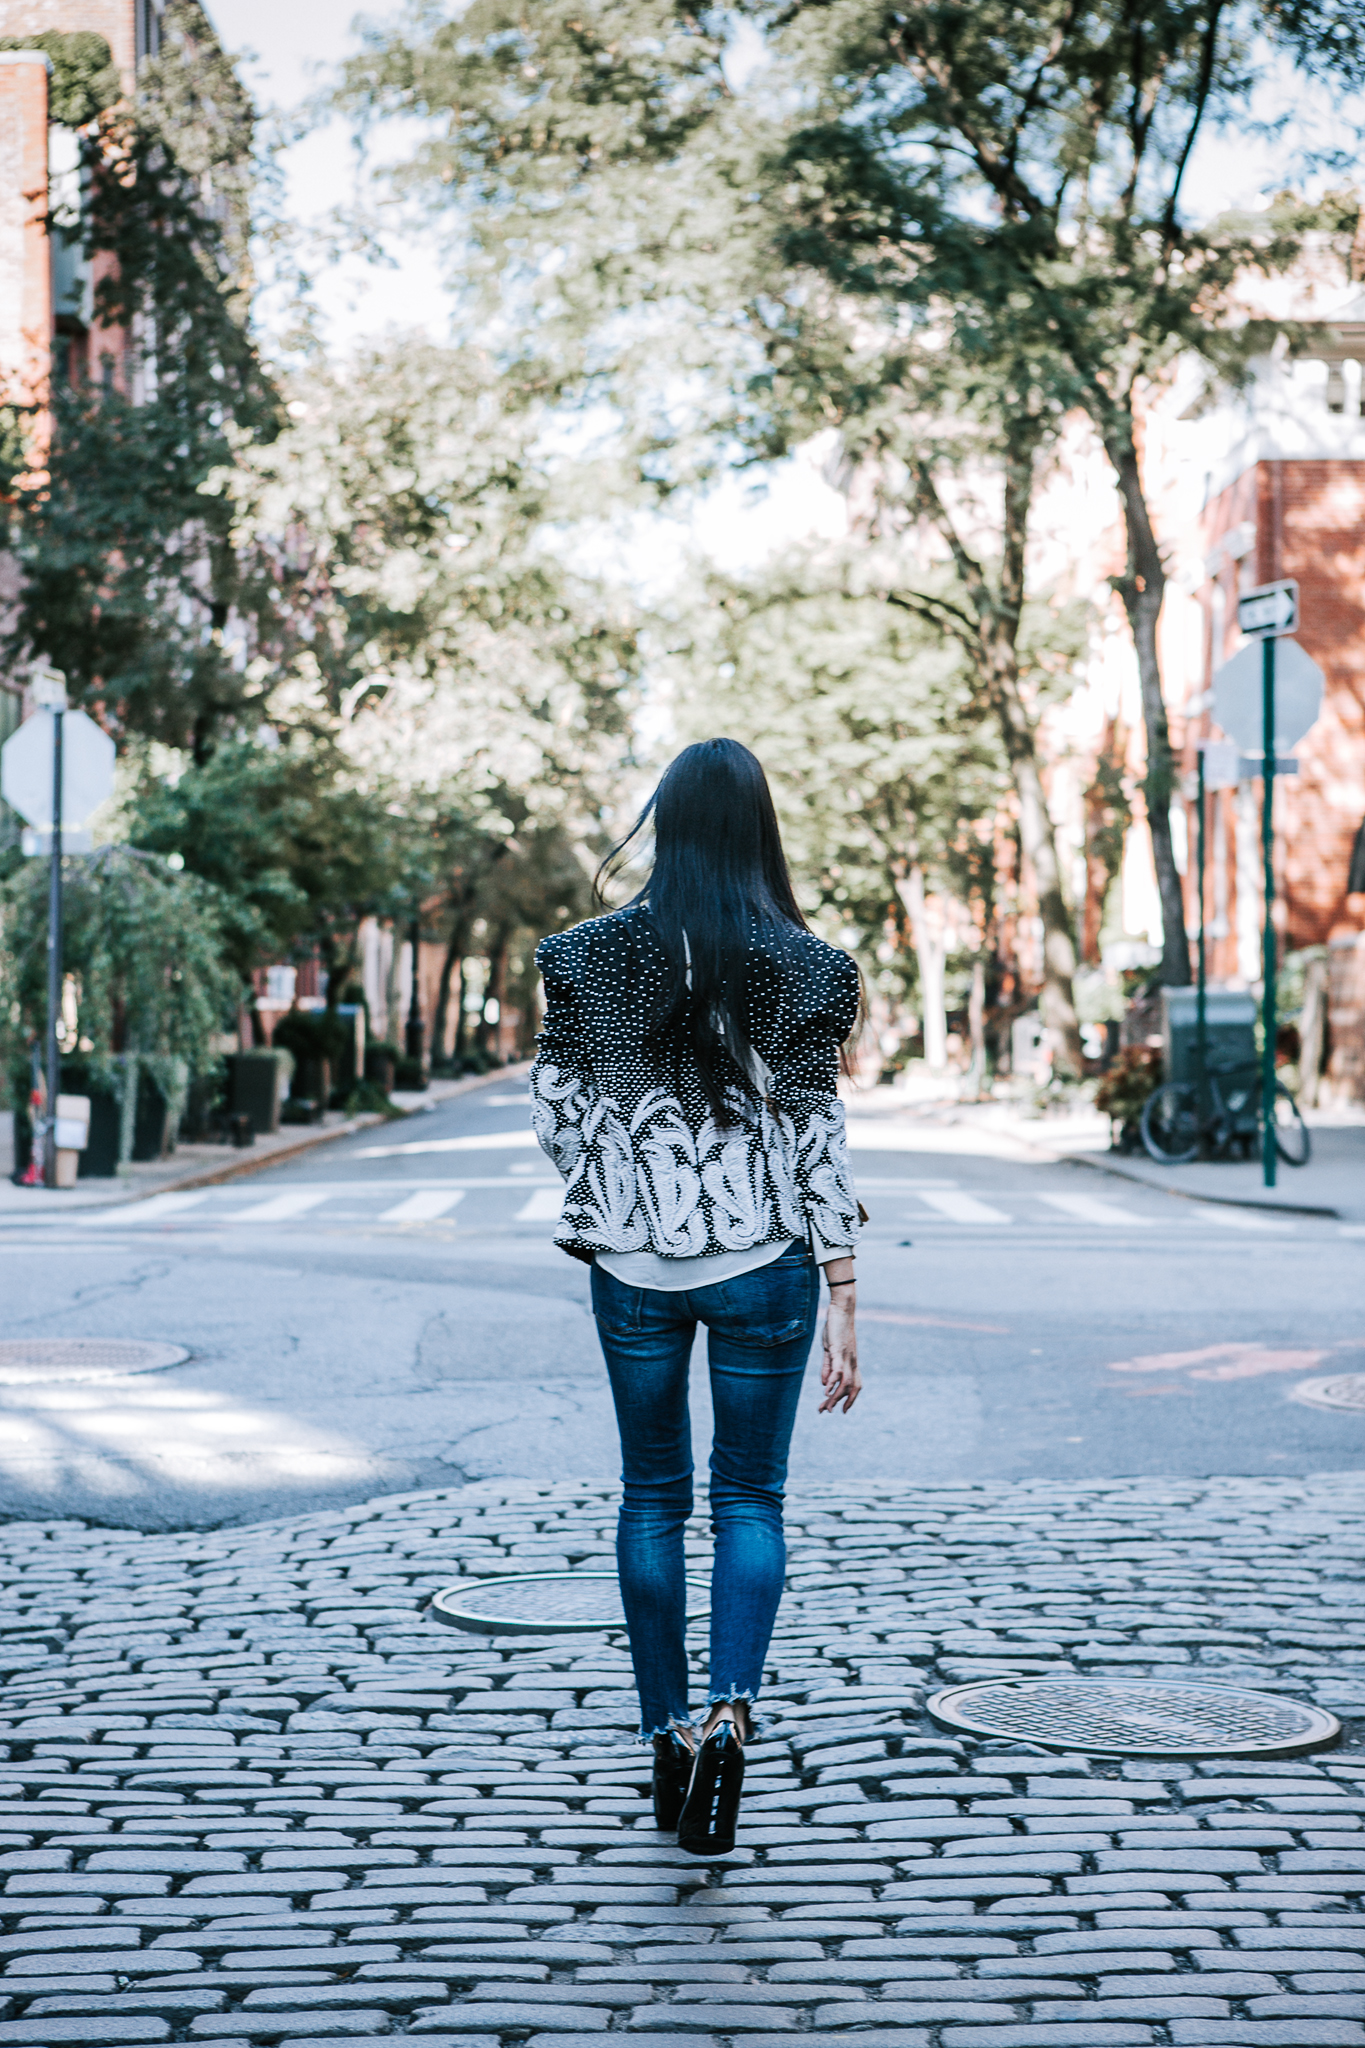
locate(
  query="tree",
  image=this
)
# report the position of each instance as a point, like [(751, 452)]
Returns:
[(1032, 166), (887, 785), (664, 200), (1009, 183), (129, 578), (297, 851), (143, 944)]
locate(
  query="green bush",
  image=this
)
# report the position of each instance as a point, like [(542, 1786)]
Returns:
[(143, 944)]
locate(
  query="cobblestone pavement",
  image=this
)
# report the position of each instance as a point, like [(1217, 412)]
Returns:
[(254, 1797)]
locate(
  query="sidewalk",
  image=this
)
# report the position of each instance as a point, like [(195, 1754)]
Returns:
[(1331, 1184), (304, 1814), (202, 1166)]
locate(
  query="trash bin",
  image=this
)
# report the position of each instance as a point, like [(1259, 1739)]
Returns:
[(99, 1161), (256, 1086), (1230, 1019)]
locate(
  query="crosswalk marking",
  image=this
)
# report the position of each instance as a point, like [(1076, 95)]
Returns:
[(422, 1207), (1090, 1209), (151, 1211), (280, 1207), (1242, 1219), (961, 1208), (543, 1207)]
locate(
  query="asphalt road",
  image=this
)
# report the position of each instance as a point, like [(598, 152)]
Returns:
[(390, 1314)]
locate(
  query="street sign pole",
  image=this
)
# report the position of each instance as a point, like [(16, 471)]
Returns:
[(1268, 848), (1201, 1002), (54, 954)]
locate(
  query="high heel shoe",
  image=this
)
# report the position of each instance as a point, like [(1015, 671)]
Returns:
[(706, 1825), (672, 1775)]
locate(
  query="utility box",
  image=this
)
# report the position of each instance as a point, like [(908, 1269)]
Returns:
[(1230, 1029)]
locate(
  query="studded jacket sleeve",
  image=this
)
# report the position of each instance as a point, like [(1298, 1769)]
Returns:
[(804, 1063), (561, 1079)]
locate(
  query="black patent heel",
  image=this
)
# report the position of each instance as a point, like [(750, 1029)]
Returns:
[(672, 1775), (706, 1825)]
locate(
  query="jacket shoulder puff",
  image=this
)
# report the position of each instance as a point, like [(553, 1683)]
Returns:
[(577, 954)]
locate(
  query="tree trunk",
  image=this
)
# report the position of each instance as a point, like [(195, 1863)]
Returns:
[(927, 930), (1142, 588), (439, 1021), (461, 1022), (1057, 1002), (976, 1025), (1312, 1030)]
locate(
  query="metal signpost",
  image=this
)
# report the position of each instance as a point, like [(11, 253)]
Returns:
[(56, 770), (1284, 686)]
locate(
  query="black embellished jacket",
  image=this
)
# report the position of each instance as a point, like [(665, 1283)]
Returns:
[(646, 1166)]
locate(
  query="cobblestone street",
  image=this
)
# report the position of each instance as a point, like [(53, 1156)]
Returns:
[(255, 1796)]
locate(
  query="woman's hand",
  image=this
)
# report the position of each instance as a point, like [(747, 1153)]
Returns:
[(839, 1374)]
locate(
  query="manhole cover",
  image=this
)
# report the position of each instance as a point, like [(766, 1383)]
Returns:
[(1136, 1717), (1345, 1390), (81, 1358), (545, 1603)]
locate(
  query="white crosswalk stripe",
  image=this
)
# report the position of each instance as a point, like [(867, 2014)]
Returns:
[(153, 1210), (424, 1206), (543, 1207), (1090, 1209), (281, 1207), (959, 1208)]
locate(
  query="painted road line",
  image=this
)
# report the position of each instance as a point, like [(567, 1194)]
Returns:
[(280, 1207), (154, 1210), (543, 1207), (423, 1207), (961, 1208), (1090, 1209), (495, 1141), (1242, 1219)]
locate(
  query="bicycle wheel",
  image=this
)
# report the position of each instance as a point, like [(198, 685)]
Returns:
[(1170, 1124), (1291, 1132)]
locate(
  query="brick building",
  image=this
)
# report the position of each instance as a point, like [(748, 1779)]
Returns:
[(1284, 496)]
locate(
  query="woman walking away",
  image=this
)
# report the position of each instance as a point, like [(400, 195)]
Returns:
[(685, 1089)]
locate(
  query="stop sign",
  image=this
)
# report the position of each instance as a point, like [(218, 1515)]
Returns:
[(1238, 690), (87, 769)]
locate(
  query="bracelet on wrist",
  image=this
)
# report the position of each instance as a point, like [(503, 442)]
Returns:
[(832, 1284)]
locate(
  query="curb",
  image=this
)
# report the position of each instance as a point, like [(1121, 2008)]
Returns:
[(1139, 1180), (238, 1169)]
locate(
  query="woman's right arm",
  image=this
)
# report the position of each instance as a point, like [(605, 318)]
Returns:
[(839, 1374)]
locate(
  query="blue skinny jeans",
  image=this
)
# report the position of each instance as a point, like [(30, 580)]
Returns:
[(759, 1330)]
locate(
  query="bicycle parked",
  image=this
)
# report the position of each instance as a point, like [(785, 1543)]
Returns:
[(1185, 1119)]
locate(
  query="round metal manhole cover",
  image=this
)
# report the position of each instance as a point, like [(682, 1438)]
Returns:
[(545, 1604), (26, 1359), (1136, 1717), (1344, 1390)]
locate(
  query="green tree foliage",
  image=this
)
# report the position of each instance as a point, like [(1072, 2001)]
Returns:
[(864, 718), (296, 851), (417, 609), (1028, 171), (144, 944), (997, 193), (84, 79), (130, 579)]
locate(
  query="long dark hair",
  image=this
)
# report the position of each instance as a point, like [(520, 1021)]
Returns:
[(719, 892)]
